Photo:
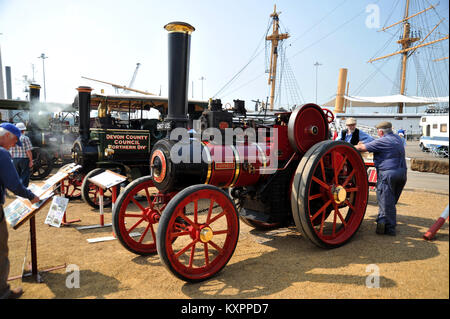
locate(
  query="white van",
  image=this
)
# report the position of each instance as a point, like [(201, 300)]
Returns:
[(434, 132)]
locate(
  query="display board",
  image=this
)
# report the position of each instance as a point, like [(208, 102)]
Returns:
[(56, 211), (21, 209), (107, 179)]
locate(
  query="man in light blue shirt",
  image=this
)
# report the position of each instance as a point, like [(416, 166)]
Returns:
[(353, 135)]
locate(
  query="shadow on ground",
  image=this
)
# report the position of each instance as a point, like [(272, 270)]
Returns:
[(296, 260)]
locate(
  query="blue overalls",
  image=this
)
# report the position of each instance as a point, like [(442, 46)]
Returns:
[(390, 162)]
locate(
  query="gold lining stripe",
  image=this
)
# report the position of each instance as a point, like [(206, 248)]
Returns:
[(237, 169), (208, 154), (263, 155)]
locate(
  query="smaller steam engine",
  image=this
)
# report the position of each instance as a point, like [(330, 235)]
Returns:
[(268, 171)]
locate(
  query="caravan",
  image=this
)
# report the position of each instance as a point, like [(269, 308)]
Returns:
[(434, 132)]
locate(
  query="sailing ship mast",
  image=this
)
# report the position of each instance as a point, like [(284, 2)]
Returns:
[(407, 50), (275, 37)]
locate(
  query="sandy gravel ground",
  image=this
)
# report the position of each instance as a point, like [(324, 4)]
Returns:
[(276, 264)]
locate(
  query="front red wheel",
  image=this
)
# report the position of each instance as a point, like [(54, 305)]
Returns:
[(136, 216), (198, 232)]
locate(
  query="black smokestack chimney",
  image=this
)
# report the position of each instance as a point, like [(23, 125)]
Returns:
[(8, 83), (84, 111), (35, 90), (179, 52)]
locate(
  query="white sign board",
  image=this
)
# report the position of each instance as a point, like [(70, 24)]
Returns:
[(56, 211)]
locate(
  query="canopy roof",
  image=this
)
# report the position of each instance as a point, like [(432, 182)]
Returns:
[(390, 100)]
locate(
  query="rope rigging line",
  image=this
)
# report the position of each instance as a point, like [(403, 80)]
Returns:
[(319, 22), (330, 33), (252, 58)]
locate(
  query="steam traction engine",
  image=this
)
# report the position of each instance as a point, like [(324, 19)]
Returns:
[(188, 208)]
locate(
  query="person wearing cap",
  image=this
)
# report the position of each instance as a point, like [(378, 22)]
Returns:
[(22, 156), (390, 162), (353, 135), (9, 136), (402, 135)]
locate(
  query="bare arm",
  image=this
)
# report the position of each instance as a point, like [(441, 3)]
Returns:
[(361, 147), (30, 157)]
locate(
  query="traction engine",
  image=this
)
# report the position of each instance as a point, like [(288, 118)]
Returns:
[(274, 171)]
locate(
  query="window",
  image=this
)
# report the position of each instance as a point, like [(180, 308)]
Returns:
[(444, 128), (435, 125), (424, 119)]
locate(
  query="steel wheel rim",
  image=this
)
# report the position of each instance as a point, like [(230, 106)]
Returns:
[(148, 218), (183, 254), (344, 217)]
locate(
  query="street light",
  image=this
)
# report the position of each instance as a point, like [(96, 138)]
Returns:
[(43, 57), (317, 64), (202, 79)]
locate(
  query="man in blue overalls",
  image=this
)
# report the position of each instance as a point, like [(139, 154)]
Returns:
[(389, 159)]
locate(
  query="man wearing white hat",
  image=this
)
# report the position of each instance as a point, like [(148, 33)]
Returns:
[(22, 156), (353, 135)]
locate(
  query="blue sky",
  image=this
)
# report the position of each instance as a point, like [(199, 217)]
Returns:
[(105, 40)]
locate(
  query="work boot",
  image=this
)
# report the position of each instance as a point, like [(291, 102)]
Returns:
[(15, 293), (390, 230), (380, 228)]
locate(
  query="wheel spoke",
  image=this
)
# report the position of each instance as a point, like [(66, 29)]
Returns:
[(321, 183), (196, 211), (349, 190), (220, 250), (217, 217), (336, 210), (211, 204), (145, 233), (334, 223), (333, 164), (341, 166), (220, 232), (349, 177), (181, 252), (191, 258), (350, 205), (135, 225), (137, 204), (134, 215), (315, 196), (322, 167), (322, 209), (205, 245), (149, 200)]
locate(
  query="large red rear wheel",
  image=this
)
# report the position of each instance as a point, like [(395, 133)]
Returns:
[(198, 232), (329, 193), (136, 216)]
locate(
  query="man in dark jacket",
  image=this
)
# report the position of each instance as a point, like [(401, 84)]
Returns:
[(353, 135), (9, 136)]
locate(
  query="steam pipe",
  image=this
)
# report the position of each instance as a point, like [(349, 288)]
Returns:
[(179, 52), (84, 110)]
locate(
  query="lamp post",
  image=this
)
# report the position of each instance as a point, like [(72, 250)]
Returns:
[(202, 79), (317, 64), (43, 57)]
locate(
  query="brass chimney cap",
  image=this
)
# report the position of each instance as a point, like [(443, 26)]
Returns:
[(178, 26), (85, 89), (34, 86)]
